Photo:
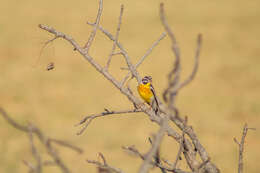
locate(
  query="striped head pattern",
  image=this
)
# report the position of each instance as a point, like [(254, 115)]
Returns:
[(147, 79)]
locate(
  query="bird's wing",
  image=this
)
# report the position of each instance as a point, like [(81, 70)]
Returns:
[(155, 97)]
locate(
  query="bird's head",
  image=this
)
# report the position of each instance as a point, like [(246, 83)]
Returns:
[(147, 79)]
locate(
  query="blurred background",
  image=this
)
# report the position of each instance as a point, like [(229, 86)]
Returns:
[(224, 95)]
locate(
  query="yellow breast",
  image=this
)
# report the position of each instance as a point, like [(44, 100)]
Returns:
[(145, 92)]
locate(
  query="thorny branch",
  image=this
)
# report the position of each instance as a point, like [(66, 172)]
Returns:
[(241, 147)]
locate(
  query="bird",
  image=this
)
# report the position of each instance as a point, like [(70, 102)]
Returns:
[(147, 93)]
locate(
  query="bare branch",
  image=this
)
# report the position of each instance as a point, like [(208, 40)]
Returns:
[(12, 122), (181, 148), (103, 158), (241, 147), (105, 165), (133, 150), (94, 31), (195, 68), (157, 156), (30, 166), (174, 83), (203, 163), (123, 51), (88, 119), (147, 53), (169, 96), (66, 144), (48, 163), (116, 37), (157, 141), (46, 141), (210, 167), (37, 157), (51, 151), (177, 67), (82, 52)]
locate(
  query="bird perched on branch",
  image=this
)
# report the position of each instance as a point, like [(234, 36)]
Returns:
[(147, 92)]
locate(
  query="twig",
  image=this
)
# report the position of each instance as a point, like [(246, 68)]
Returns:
[(123, 51), (177, 68), (103, 158), (169, 96), (203, 163), (12, 122), (66, 144), (157, 157), (46, 141), (241, 147), (104, 165), (133, 150), (116, 37), (88, 119), (30, 166), (147, 53), (48, 163), (157, 141), (94, 31), (195, 67), (38, 168), (43, 47)]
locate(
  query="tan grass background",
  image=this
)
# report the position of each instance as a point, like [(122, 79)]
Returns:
[(223, 97)]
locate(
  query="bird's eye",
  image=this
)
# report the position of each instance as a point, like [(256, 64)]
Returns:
[(144, 81)]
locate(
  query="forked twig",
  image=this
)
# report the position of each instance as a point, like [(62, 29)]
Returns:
[(147, 53), (241, 147), (104, 165), (116, 37), (123, 52), (94, 31)]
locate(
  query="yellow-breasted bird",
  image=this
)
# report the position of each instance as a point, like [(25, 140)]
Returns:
[(147, 92)]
